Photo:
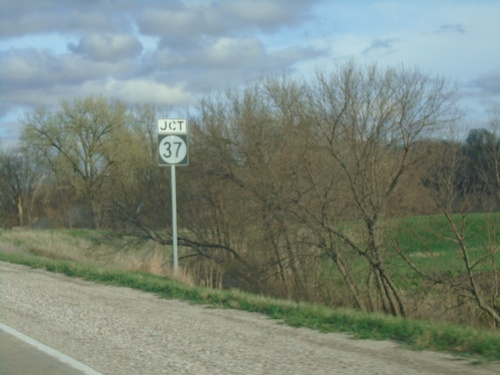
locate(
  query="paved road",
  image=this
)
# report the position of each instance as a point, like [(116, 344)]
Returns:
[(127, 332), (21, 355)]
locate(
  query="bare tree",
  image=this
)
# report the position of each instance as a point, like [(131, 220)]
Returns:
[(476, 279), (20, 182), (367, 122), (319, 164)]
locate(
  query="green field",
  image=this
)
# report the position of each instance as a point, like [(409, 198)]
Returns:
[(430, 244)]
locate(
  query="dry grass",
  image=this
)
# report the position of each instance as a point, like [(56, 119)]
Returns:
[(44, 243), (119, 253)]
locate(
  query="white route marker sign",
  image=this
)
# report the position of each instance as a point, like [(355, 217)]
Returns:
[(172, 151), (172, 142)]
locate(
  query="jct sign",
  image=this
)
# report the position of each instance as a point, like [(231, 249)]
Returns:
[(173, 150), (172, 126), (172, 142)]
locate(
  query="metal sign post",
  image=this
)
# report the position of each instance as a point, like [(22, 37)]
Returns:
[(174, 218), (172, 151)]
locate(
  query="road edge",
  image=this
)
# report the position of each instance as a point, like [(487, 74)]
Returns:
[(50, 351)]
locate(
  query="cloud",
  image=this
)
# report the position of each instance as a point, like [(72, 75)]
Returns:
[(267, 14), (175, 23), (487, 84), (18, 18), (456, 28), (174, 20), (208, 52), (231, 52), (107, 47), (30, 68), (482, 94), (183, 19), (382, 46), (142, 90)]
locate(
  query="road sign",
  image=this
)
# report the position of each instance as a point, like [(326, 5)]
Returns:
[(172, 149), (172, 126)]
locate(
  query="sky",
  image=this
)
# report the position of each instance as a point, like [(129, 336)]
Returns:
[(171, 52)]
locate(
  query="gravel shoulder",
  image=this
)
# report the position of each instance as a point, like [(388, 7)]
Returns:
[(124, 331)]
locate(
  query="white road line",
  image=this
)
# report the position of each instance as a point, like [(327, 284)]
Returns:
[(52, 352)]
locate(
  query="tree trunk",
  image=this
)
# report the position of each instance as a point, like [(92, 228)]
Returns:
[(20, 213)]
